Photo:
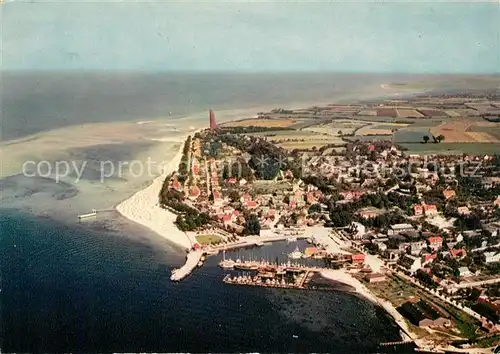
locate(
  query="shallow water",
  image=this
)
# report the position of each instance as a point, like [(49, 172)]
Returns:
[(70, 288)]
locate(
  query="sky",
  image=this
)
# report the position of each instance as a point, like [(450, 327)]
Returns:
[(254, 36)]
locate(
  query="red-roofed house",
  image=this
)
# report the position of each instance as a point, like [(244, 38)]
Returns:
[(358, 258), (232, 180), (292, 204), (246, 198), (371, 147), (311, 198), (196, 169), (418, 210), (194, 192), (251, 204), (430, 210), (288, 174), (298, 193), (176, 184), (463, 210), (428, 258), (449, 193), (352, 195), (226, 219), (460, 253), (435, 242)]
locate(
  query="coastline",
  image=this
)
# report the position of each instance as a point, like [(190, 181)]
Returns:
[(143, 207), (342, 276)]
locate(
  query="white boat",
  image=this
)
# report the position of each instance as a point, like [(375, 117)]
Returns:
[(296, 254), (291, 239), (226, 263), (229, 264), (309, 240), (83, 216), (212, 252), (259, 243)]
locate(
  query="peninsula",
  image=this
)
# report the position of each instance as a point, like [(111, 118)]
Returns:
[(403, 194)]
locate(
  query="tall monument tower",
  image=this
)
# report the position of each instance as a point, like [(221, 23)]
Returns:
[(211, 115)]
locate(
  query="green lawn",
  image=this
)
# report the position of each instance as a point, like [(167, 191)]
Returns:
[(208, 239)]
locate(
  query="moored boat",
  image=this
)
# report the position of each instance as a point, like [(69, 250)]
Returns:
[(296, 254)]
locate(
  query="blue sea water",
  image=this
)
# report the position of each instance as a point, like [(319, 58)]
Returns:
[(69, 289)]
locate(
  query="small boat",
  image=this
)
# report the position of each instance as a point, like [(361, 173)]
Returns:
[(226, 264), (309, 240), (92, 213), (296, 254), (295, 336), (259, 243), (291, 239), (200, 263)]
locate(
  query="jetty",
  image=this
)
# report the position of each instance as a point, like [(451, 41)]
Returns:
[(192, 260), (88, 215), (93, 213)]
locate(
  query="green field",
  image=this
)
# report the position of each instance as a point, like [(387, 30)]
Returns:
[(208, 239), (452, 148), (493, 131)]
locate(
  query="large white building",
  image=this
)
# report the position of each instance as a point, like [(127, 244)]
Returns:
[(492, 257)]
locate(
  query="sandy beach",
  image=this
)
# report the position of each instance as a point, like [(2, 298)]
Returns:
[(143, 207)]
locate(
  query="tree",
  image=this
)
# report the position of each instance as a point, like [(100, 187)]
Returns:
[(315, 208), (234, 195), (440, 138), (426, 139), (252, 225)]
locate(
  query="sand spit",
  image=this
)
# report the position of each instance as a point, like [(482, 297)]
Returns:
[(143, 207)]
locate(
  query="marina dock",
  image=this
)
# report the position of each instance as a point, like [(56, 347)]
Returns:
[(287, 276)]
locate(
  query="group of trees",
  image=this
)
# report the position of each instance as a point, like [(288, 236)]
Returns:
[(266, 160), (189, 218), (183, 165), (239, 169), (315, 208), (252, 225), (436, 139), (425, 279), (251, 129), (383, 221), (192, 220), (344, 214)]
